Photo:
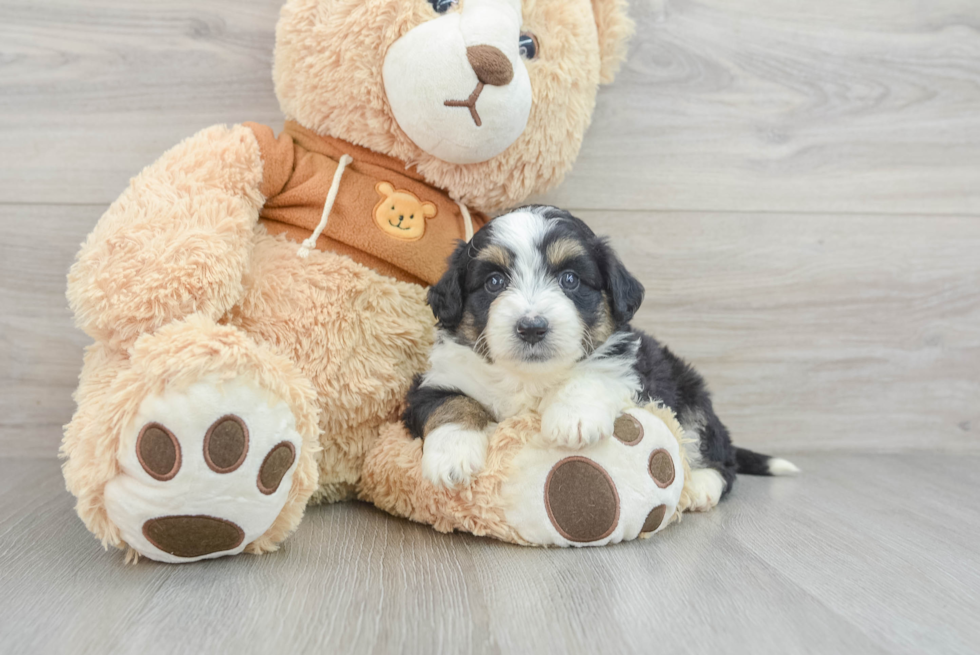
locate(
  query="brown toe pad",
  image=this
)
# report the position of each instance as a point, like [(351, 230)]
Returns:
[(628, 430), (654, 519), (192, 536), (226, 444), (158, 452), (581, 500), (661, 468), (274, 467)]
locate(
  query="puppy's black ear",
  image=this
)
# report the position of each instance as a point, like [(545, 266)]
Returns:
[(446, 296), (625, 291)]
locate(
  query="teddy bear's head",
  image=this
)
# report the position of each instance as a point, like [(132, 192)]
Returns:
[(488, 99)]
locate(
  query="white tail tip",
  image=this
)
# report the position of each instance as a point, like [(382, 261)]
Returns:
[(780, 466)]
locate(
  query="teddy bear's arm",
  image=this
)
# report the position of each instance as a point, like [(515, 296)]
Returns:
[(176, 242)]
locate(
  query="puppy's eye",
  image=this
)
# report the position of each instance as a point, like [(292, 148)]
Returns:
[(495, 283), (442, 6), (528, 45), (568, 281)]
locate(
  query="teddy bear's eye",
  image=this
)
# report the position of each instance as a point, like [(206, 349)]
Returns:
[(442, 6), (528, 45), (392, 208)]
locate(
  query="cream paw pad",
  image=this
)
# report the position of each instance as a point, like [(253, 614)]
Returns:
[(615, 490), (204, 472)]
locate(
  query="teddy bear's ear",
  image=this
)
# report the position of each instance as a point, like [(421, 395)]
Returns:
[(615, 29), (384, 189), (428, 209)]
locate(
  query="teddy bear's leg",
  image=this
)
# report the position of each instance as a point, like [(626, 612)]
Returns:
[(176, 242), (532, 492), (196, 443)]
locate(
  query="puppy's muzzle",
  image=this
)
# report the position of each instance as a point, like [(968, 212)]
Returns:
[(532, 330)]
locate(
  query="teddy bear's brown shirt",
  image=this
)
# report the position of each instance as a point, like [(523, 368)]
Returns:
[(298, 169)]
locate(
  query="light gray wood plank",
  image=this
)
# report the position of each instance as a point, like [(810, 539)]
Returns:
[(40, 349), (92, 92), (901, 536), (767, 105), (837, 560), (835, 106), (814, 332)]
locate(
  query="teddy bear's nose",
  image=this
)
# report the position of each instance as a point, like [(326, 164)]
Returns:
[(490, 65)]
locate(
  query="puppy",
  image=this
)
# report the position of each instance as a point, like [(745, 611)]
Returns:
[(534, 313)]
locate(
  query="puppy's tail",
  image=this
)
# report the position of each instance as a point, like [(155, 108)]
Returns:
[(751, 463)]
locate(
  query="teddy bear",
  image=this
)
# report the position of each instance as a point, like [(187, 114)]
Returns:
[(257, 301)]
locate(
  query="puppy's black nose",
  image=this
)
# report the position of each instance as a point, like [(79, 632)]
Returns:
[(532, 330)]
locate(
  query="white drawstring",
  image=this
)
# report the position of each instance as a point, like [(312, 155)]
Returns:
[(310, 243), (467, 220)]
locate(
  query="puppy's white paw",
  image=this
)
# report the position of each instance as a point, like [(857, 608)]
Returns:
[(705, 488), (453, 455), (578, 425)]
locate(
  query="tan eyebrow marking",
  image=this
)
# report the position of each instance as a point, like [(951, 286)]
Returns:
[(497, 255), (562, 250)]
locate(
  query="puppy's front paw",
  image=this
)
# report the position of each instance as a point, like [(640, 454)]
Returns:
[(577, 426), (706, 487), (453, 455)]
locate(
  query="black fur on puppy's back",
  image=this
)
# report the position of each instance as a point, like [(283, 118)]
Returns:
[(667, 378)]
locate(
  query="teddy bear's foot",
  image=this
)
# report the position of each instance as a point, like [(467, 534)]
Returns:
[(614, 490), (233, 475), (209, 471)]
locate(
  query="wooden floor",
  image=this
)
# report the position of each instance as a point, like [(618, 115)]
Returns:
[(863, 554), (798, 186)]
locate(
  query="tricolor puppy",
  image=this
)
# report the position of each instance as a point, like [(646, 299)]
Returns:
[(534, 313)]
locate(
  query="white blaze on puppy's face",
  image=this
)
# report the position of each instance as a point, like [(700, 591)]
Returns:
[(532, 293)]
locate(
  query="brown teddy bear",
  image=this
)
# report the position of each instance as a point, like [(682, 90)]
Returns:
[(255, 331)]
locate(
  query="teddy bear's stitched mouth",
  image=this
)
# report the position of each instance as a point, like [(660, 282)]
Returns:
[(399, 226), (470, 103)]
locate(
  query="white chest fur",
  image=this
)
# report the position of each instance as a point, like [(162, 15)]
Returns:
[(509, 390)]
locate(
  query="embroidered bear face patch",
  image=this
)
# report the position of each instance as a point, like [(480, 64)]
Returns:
[(401, 214)]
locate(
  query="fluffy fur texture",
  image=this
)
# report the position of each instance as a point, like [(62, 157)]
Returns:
[(357, 336), (393, 480), (177, 242), (535, 314), (329, 55)]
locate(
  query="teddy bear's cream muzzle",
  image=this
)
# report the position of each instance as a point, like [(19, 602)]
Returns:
[(457, 85)]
